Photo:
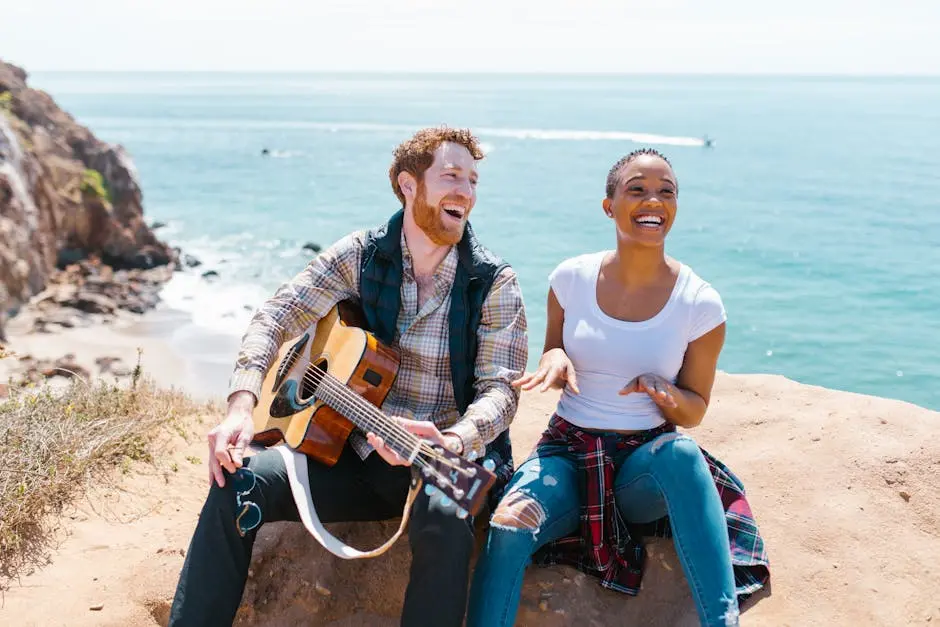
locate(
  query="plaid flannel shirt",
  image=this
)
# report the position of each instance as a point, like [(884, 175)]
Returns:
[(604, 547), (423, 389)]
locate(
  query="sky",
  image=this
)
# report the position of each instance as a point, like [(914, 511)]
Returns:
[(860, 37)]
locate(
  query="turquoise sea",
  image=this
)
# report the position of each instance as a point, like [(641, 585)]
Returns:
[(815, 214)]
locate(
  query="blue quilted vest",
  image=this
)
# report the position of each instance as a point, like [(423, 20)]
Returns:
[(380, 278)]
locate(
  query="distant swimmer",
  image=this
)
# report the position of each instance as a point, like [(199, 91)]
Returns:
[(707, 141), (265, 152)]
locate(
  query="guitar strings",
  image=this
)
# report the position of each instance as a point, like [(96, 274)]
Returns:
[(351, 400), (399, 435), (402, 434)]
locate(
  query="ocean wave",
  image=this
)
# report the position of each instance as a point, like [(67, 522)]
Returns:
[(536, 134), (575, 135), (216, 305), (285, 154), (224, 302)]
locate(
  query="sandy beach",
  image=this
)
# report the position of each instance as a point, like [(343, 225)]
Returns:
[(173, 351)]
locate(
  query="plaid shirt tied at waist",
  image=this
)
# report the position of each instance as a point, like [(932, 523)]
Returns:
[(604, 547)]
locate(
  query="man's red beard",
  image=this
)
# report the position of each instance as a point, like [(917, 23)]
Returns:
[(429, 219)]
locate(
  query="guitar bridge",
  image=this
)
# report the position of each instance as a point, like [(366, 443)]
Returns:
[(372, 377)]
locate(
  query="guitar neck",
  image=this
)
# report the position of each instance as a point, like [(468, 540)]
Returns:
[(366, 416)]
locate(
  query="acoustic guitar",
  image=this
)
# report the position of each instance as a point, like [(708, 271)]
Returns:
[(333, 378)]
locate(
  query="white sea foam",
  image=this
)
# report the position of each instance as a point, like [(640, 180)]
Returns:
[(224, 303), (214, 304), (577, 135), (535, 134)]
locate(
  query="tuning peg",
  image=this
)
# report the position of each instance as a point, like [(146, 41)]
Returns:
[(429, 489), (489, 464), (445, 501), (462, 513)]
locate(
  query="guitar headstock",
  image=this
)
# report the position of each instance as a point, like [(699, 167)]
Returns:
[(459, 479)]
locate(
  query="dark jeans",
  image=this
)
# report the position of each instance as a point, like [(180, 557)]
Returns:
[(213, 577)]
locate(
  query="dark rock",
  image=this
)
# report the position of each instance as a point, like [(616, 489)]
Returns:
[(64, 367), (312, 247), (68, 256), (93, 303), (190, 262), (138, 306), (105, 364), (59, 317), (210, 275)]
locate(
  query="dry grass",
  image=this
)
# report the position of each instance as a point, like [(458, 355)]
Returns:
[(53, 441)]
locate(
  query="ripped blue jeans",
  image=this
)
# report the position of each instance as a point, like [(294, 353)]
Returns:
[(668, 475)]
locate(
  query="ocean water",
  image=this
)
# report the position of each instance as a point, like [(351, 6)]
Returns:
[(815, 214)]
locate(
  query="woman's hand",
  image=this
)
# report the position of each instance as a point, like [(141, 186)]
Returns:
[(659, 389), (555, 370)]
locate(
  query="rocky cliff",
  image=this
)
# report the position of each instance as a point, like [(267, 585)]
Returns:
[(64, 196)]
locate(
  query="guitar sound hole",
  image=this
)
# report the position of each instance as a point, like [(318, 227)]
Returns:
[(312, 379)]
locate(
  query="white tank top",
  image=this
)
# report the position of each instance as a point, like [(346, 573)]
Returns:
[(607, 353)]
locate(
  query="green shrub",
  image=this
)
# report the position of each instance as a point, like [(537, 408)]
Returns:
[(93, 183)]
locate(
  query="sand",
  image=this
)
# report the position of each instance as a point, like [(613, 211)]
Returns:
[(173, 351)]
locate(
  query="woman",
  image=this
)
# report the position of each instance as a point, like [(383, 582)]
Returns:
[(633, 340)]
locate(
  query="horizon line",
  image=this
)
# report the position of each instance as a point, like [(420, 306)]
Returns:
[(495, 72)]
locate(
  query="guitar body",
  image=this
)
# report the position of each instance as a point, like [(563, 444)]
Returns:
[(289, 409), (335, 376)]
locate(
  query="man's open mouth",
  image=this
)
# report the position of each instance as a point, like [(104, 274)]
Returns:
[(455, 211)]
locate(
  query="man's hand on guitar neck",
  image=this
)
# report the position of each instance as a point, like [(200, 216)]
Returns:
[(228, 440), (422, 429)]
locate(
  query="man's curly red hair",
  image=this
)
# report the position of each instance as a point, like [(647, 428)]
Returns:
[(416, 154)]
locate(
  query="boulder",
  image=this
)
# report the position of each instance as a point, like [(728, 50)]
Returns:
[(845, 489)]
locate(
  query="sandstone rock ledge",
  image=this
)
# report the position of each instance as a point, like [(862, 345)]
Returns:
[(844, 487)]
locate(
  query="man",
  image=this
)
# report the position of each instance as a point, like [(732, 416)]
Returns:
[(455, 314)]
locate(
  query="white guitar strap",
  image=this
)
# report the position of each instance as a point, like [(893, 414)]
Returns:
[(296, 464)]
